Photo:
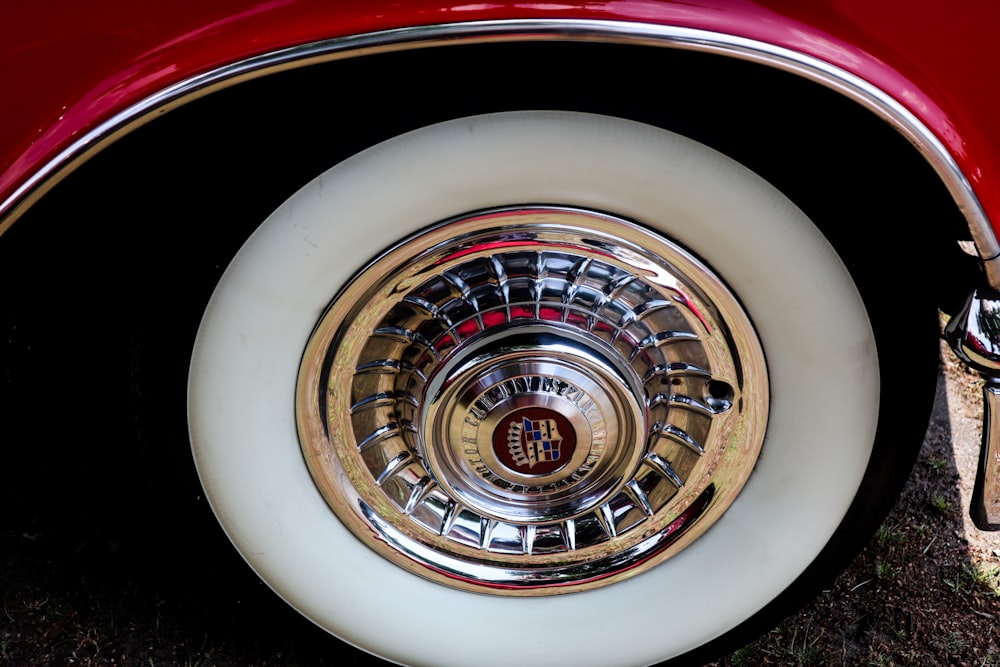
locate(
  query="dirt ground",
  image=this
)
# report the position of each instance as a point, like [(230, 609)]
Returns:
[(925, 592)]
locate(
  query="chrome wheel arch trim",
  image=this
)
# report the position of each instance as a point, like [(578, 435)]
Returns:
[(814, 69)]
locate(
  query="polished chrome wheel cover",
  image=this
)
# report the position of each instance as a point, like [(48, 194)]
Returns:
[(532, 401)]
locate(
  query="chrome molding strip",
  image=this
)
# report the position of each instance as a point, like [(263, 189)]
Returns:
[(618, 32)]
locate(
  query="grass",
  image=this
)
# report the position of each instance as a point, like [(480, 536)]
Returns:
[(937, 464), (885, 570), (942, 505), (778, 648), (960, 583), (986, 577), (978, 578), (950, 643), (889, 535)]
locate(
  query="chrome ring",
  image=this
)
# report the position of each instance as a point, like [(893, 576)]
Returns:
[(531, 401)]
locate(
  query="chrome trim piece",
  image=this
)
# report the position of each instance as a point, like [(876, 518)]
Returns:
[(974, 335), (814, 69), (532, 400), (985, 510)]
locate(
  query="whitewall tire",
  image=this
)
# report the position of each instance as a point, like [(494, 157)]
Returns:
[(821, 367)]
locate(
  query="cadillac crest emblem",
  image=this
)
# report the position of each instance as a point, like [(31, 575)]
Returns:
[(534, 441)]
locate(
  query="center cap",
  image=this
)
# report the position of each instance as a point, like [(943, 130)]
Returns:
[(537, 441), (542, 436), (545, 434), (540, 427)]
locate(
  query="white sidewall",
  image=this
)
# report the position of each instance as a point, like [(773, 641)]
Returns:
[(812, 325)]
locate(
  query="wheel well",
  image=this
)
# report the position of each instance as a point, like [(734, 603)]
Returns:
[(112, 268), (848, 169), (152, 220)]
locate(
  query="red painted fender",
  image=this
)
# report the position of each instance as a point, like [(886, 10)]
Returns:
[(71, 72)]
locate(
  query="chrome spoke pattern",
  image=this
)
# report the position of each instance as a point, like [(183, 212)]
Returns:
[(531, 401)]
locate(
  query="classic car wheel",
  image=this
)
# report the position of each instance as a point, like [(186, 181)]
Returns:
[(684, 333)]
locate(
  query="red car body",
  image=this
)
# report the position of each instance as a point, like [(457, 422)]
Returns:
[(71, 70), (78, 77)]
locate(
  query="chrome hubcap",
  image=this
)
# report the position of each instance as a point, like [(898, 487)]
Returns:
[(532, 401)]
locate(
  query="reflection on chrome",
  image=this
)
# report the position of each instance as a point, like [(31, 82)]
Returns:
[(974, 335), (530, 401)]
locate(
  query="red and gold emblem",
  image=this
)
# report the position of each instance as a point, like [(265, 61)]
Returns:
[(534, 441)]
